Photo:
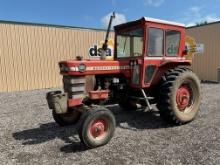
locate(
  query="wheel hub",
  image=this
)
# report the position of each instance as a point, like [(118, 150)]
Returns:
[(98, 128), (183, 97)]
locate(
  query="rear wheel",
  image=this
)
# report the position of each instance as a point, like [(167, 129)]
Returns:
[(97, 128), (70, 118), (179, 97)]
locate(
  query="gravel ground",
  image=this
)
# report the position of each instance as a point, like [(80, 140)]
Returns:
[(28, 135)]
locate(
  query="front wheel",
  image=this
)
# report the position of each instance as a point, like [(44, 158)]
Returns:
[(97, 128), (179, 96)]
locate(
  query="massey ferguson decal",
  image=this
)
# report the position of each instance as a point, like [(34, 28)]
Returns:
[(102, 68)]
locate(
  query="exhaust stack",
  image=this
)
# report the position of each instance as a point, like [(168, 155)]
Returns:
[(105, 45)]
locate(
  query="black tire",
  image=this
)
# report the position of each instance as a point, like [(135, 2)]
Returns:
[(179, 96), (88, 131), (70, 118)]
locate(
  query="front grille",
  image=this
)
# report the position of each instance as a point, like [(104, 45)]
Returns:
[(74, 86)]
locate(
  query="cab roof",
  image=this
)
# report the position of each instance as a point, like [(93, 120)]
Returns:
[(148, 19)]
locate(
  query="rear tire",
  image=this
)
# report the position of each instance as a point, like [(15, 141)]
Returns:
[(97, 127), (179, 97), (70, 118)]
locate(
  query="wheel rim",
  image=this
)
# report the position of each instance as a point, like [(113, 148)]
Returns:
[(98, 129), (184, 97)]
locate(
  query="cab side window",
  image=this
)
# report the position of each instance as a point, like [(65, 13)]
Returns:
[(155, 42), (172, 42)]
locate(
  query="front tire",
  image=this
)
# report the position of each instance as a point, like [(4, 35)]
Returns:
[(179, 97), (97, 127)]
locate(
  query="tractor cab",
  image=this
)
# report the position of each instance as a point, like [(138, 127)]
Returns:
[(148, 44)]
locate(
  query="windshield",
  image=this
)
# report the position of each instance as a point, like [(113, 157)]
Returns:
[(130, 43)]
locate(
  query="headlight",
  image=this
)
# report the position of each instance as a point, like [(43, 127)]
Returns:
[(82, 67)]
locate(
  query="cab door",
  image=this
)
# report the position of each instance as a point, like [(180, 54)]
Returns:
[(154, 53)]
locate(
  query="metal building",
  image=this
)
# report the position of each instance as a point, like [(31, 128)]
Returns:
[(29, 53), (206, 65)]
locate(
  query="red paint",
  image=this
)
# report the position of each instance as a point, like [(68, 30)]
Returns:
[(74, 102), (98, 128), (98, 95), (183, 97)]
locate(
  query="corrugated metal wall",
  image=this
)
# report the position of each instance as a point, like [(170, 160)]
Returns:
[(206, 65), (29, 54)]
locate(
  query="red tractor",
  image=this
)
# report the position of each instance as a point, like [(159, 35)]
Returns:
[(149, 67)]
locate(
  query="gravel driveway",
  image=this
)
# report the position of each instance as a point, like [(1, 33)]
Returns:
[(29, 135)]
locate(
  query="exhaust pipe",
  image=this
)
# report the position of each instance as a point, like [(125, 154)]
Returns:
[(105, 45)]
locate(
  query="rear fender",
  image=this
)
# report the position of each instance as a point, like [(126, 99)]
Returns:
[(166, 66)]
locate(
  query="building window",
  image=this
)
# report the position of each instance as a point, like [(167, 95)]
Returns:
[(172, 42), (155, 42)]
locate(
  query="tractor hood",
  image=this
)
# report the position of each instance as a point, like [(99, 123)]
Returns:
[(91, 67)]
